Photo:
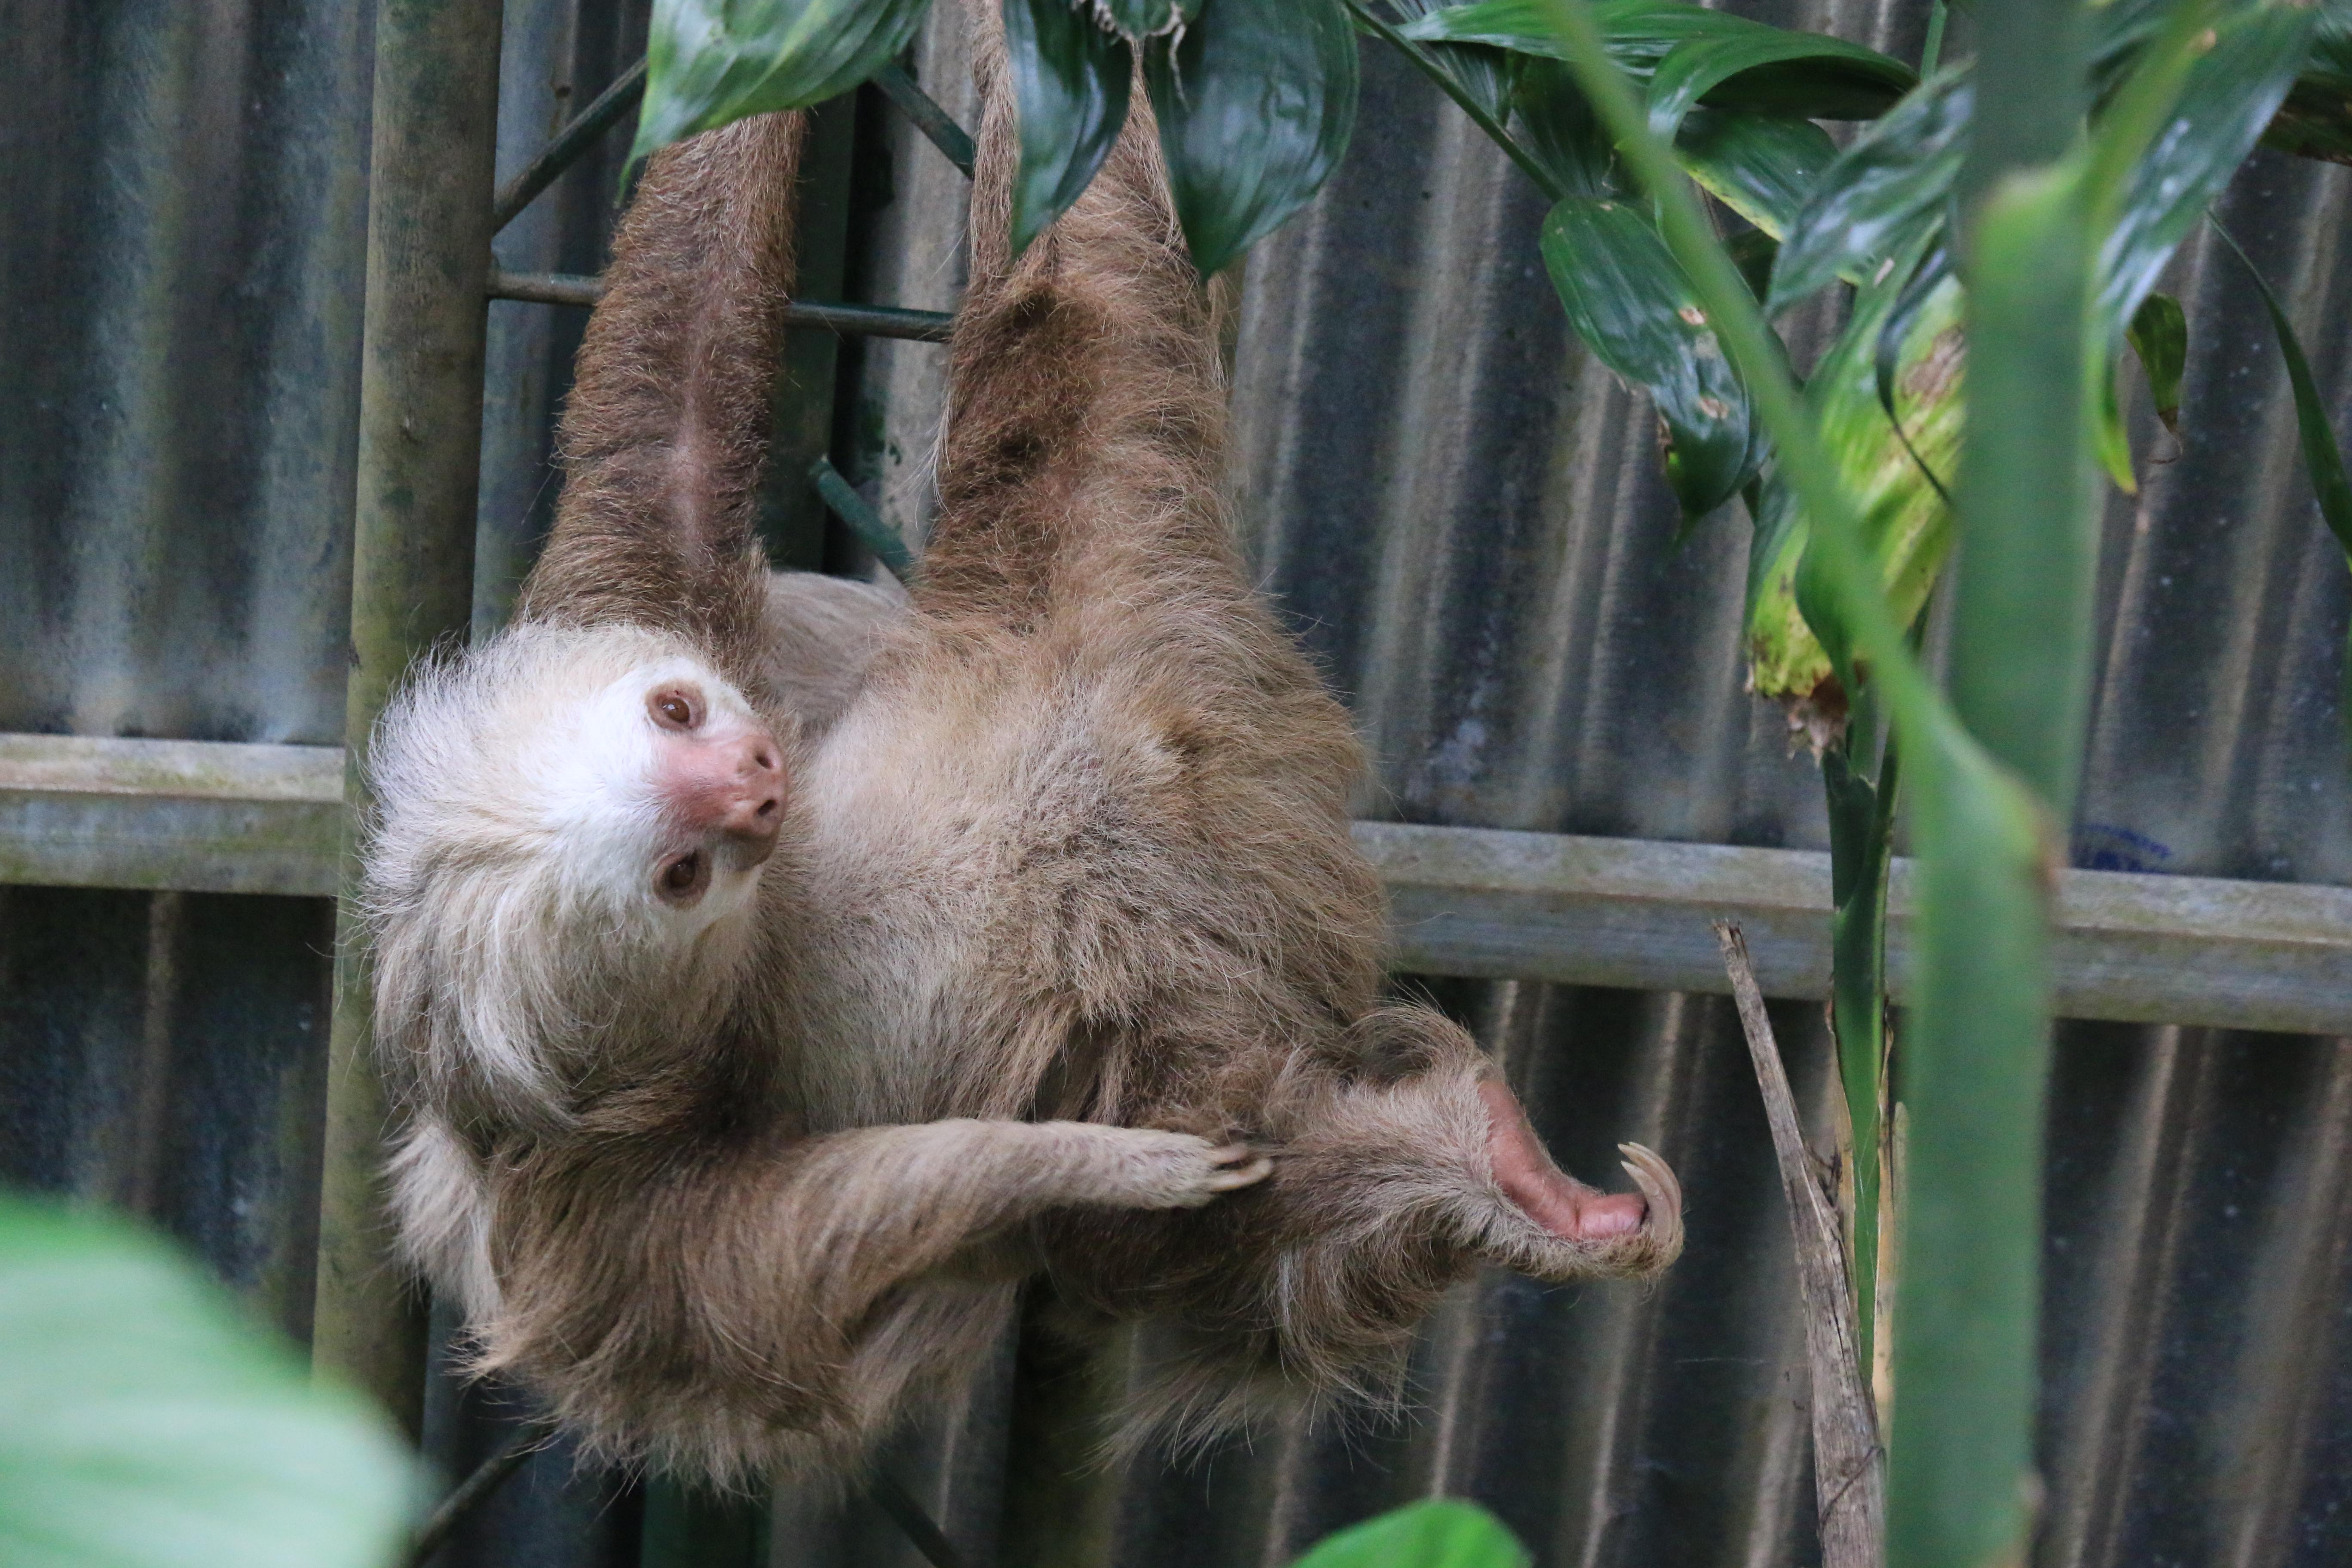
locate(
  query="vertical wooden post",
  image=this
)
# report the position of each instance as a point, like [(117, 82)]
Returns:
[(429, 192)]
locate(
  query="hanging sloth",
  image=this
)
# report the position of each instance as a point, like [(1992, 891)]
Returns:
[(773, 979)]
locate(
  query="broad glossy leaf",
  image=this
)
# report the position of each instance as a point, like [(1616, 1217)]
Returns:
[(1254, 104), (1806, 74), (1794, 640), (1789, 72), (1439, 1533), (2228, 98), (1628, 298), (1636, 34), (1070, 80), (143, 1423), (1554, 121), (1895, 331), (1885, 194), (2158, 334), (1483, 73), (711, 62), (2316, 120), (1761, 166)]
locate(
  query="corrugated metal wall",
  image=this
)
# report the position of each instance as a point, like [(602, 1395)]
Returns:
[(1461, 513)]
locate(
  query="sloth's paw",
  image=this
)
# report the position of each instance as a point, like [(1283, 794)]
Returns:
[(1176, 1169), (1589, 1232)]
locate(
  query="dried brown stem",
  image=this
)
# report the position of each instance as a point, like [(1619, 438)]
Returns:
[(1849, 1463)]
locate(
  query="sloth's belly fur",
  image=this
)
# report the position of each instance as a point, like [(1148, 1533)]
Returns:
[(1065, 856)]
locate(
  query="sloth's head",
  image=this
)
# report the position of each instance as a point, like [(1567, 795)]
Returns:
[(569, 831)]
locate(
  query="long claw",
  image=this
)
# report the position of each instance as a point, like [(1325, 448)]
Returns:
[(1663, 1193), (1247, 1167)]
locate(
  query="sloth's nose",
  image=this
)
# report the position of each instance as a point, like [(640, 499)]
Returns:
[(735, 789)]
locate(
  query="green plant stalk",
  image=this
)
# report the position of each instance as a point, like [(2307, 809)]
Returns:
[(2031, 64), (1967, 1330), (1964, 1416), (1977, 1074)]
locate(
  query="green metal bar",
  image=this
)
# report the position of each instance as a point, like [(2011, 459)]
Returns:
[(435, 115), (863, 521), (867, 320), (510, 1455), (953, 141), (574, 139), (914, 1520)]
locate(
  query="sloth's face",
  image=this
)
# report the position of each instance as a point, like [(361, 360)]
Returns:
[(663, 792), (596, 803)]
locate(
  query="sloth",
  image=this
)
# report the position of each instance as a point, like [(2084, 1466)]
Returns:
[(773, 981)]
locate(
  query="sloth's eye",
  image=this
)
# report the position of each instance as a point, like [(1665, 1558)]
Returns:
[(675, 708), (682, 880)]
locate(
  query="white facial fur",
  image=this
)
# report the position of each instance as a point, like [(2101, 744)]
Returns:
[(599, 781), (528, 800)]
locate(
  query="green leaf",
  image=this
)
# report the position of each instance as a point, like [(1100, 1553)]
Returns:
[(2322, 459), (1899, 360), (1761, 166), (711, 62), (1557, 129), (1254, 105), (2229, 96), (1895, 332), (1439, 1533), (1070, 81), (1634, 33), (2316, 120), (1887, 192), (1775, 72), (1483, 74), (143, 1422), (1770, 69), (2110, 443), (2158, 334), (1631, 304)]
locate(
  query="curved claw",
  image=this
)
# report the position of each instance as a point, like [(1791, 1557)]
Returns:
[(1245, 1167), (1663, 1192)]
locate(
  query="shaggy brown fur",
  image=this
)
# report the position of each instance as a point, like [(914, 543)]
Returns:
[(1064, 937)]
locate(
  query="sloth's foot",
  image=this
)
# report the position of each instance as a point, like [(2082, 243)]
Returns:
[(1639, 1232)]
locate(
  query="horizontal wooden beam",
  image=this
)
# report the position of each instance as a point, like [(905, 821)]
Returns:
[(211, 817), (1638, 914), (194, 815)]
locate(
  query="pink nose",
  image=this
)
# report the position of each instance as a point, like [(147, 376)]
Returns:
[(734, 788)]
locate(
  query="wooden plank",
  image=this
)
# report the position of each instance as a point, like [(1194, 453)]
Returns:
[(212, 817)]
